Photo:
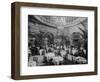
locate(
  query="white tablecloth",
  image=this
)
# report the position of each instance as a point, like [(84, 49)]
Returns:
[(49, 56), (57, 59)]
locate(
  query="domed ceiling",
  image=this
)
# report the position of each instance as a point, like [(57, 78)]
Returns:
[(60, 21)]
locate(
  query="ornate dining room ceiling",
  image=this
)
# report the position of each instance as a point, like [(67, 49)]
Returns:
[(60, 21)]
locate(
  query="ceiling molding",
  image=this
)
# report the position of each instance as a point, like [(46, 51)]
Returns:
[(57, 23)]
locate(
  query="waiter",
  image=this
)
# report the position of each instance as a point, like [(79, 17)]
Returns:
[(33, 48)]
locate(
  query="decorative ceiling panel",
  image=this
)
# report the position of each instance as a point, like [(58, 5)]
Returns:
[(60, 21)]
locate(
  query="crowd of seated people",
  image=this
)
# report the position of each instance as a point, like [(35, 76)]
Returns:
[(54, 54)]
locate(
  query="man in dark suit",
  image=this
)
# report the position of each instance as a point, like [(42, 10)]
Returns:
[(33, 48)]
